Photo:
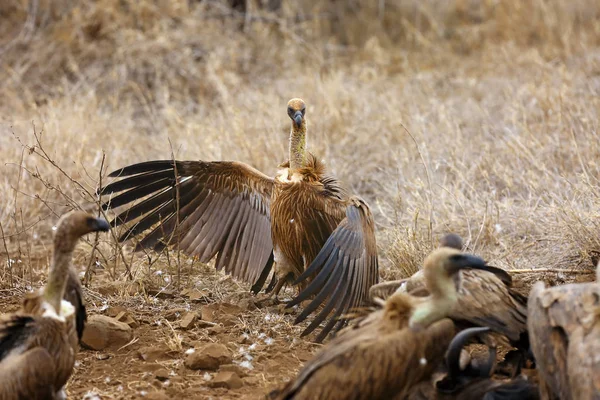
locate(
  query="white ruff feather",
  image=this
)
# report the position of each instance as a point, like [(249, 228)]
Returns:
[(66, 310)]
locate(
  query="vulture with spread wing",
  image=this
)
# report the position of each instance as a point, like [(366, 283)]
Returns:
[(39, 342), (301, 223)]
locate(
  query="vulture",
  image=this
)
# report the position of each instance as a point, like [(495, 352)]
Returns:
[(471, 380), (391, 350), (564, 329), (38, 343), (300, 223), (485, 299)]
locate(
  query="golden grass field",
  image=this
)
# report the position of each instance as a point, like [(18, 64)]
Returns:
[(476, 117)]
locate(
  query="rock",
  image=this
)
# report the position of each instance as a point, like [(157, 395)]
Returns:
[(248, 304), (128, 319), (209, 313), (215, 330), (198, 296), (209, 357), (162, 374), (233, 368), (244, 339), (175, 313), (103, 332), (252, 380), (156, 396), (188, 320), (154, 353), (114, 311), (226, 379), (221, 312)]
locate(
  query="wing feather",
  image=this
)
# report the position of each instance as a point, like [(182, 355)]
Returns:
[(348, 258), (206, 208)]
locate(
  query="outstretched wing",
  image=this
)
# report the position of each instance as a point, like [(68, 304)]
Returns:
[(205, 208), (345, 268)]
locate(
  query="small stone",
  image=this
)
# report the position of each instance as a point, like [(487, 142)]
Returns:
[(155, 353), (188, 320), (252, 380), (199, 296), (103, 332), (174, 314), (226, 379), (208, 357), (248, 304), (128, 319), (244, 339), (232, 368), (162, 374), (114, 311), (215, 330)]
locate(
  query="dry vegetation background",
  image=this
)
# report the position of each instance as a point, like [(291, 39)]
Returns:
[(478, 117)]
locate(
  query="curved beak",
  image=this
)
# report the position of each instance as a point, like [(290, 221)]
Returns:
[(99, 224), (298, 118), (465, 261)]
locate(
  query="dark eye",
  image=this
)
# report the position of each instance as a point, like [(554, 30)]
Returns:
[(303, 110), (290, 110)]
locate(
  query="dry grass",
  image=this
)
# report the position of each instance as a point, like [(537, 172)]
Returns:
[(477, 117), (500, 102)]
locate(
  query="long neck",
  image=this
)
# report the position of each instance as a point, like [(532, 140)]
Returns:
[(57, 279), (298, 146), (438, 305)]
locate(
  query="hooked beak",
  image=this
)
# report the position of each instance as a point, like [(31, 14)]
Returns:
[(298, 118), (98, 224), (465, 261)]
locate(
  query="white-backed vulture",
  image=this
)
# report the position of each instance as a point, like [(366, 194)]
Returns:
[(301, 223), (564, 329), (485, 298), (38, 343), (392, 349)]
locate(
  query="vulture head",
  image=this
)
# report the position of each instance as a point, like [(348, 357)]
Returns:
[(72, 226), (296, 110), (440, 270)]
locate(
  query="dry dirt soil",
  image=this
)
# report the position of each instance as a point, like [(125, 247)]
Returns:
[(262, 347)]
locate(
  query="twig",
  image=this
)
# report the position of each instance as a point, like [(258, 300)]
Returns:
[(430, 201), (38, 149), (7, 255), (557, 270), (176, 216), (88, 275)]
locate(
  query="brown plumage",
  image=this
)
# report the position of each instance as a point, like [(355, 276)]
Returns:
[(564, 327), (300, 223), (392, 349), (38, 343), (472, 381), (485, 298)]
